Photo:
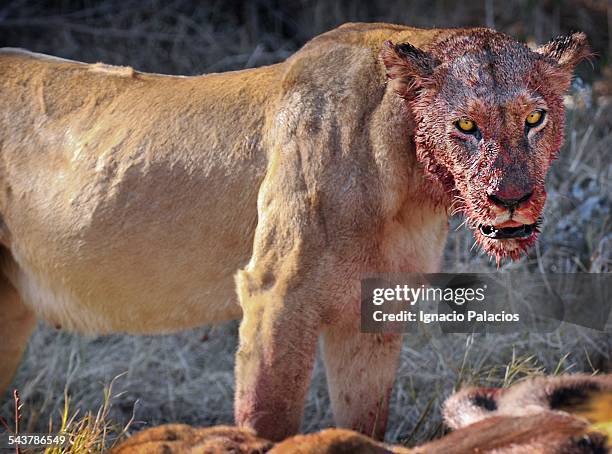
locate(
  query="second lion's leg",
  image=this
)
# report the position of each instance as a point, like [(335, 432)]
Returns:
[(16, 324), (360, 369)]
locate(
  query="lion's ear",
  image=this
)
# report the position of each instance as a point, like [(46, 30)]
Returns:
[(562, 54), (407, 64), (567, 51), (471, 405)]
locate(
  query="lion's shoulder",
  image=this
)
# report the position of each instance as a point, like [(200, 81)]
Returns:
[(349, 55), (372, 35)]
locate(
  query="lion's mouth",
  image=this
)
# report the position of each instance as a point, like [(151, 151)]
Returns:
[(506, 233)]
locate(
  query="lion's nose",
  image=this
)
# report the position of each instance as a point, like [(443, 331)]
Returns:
[(510, 203)]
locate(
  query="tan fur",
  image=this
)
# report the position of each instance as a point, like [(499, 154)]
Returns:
[(16, 324), (543, 433), (130, 201), (542, 429), (181, 438)]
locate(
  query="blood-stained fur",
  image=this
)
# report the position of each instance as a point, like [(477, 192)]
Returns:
[(495, 82), (140, 203)]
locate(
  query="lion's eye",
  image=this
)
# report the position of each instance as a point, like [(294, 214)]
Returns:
[(467, 126), (535, 118)]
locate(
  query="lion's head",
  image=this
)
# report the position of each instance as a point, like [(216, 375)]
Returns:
[(489, 121)]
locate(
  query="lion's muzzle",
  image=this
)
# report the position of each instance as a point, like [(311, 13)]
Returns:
[(510, 203)]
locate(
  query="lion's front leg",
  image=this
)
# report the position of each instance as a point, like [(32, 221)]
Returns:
[(360, 369), (283, 291), (278, 338)]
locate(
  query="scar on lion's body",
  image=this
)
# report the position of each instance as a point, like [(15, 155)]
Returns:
[(122, 71)]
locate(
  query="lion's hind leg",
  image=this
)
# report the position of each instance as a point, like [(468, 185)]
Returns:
[(16, 324)]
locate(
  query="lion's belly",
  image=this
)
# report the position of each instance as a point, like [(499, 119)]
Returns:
[(143, 273), (146, 303)]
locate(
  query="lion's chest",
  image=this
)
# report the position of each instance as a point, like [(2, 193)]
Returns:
[(415, 242)]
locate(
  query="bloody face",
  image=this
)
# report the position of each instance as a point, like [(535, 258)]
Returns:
[(489, 122)]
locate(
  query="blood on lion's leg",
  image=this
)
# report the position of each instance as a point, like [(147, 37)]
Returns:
[(274, 362), (282, 295), (360, 369)]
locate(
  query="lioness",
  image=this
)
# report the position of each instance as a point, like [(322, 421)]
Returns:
[(130, 202)]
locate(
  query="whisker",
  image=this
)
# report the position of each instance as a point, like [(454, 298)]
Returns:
[(474, 245), (462, 224)]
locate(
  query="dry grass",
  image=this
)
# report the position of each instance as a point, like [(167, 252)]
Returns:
[(89, 432), (188, 377), (180, 378)]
